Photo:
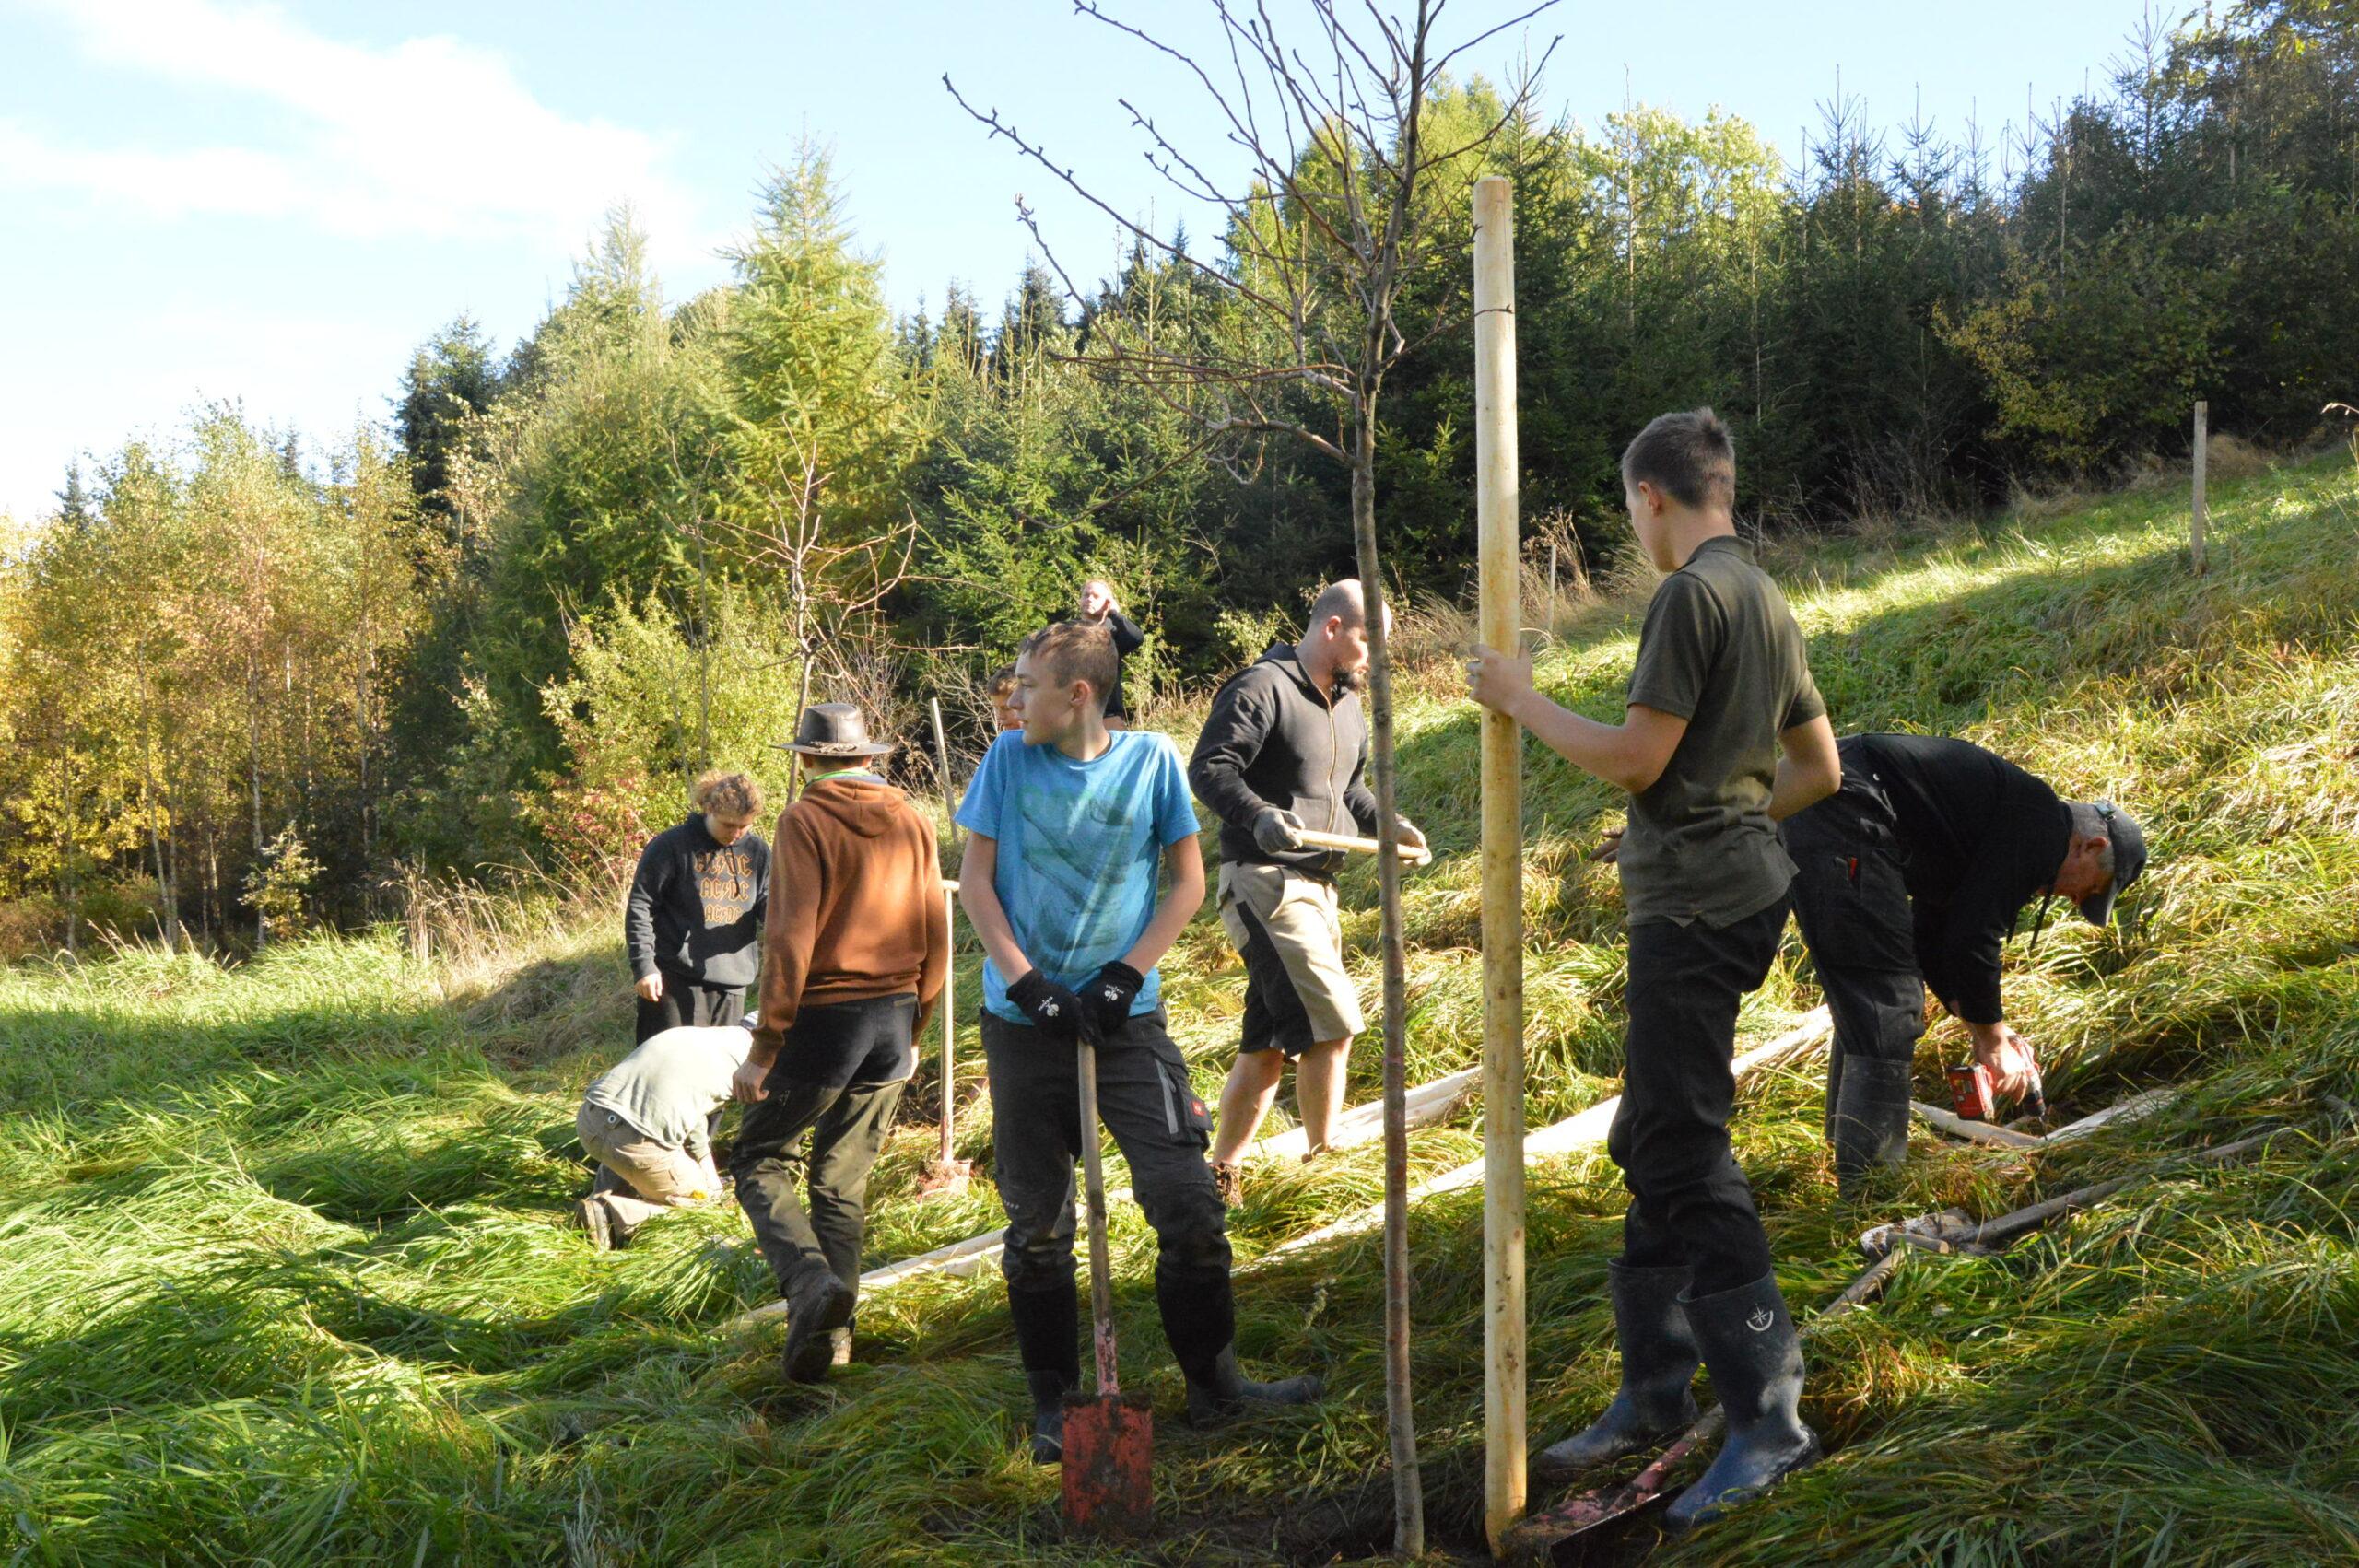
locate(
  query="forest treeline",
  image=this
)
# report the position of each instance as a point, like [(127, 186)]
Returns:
[(247, 687)]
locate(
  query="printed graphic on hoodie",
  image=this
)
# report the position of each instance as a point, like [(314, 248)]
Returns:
[(725, 882)]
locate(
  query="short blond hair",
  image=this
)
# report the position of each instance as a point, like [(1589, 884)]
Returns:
[(727, 794), (1067, 651)]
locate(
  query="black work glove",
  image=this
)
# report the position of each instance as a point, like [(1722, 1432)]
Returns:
[(1275, 830), (1053, 1009), (1111, 996)]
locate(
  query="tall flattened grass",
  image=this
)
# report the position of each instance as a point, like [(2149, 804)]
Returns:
[(282, 1276)]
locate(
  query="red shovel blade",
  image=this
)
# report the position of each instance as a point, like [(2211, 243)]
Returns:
[(1108, 1464)]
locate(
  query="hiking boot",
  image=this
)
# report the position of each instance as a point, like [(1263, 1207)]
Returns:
[(596, 1220), (1868, 1122), (1659, 1361), (1756, 1359), (1229, 1182), (1047, 1390), (818, 1305), (1218, 1392)]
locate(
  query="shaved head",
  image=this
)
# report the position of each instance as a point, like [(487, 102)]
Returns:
[(1342, 598), (1333, 649)]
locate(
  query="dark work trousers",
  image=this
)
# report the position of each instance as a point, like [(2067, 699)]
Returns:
[(686, 1004), (1689, 1203), (838, 1079), (1851, 902), (1162, 1129)]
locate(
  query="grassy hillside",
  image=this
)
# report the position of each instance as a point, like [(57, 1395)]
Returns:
[(283, 1276)]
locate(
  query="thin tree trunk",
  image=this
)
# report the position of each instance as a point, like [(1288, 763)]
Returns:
[(802, 672), (66, 843), (254, 774), (168, 914), (1408, 1488), (360, 724)]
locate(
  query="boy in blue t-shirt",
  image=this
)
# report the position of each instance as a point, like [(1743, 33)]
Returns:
[(1068, 823)]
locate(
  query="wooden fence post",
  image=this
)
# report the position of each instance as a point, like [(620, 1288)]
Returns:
[(1500, 617), (2202, 445)]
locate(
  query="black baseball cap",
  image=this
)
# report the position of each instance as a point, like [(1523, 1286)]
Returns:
[(2129, 860)]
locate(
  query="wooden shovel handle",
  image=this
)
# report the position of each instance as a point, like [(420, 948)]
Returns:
[(1093, 1171), (1313, 839)]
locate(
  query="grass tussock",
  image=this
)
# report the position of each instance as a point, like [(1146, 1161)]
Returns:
[(283, 1277)]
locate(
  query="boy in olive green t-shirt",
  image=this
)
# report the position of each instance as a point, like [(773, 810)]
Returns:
[(1721, 686)]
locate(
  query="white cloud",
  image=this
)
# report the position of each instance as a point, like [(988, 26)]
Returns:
[(428, 136)]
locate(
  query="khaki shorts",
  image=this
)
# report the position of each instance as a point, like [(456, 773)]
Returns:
[(1286, 926), (660, 1173)]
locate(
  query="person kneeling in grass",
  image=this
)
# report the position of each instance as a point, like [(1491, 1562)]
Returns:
[(1067, 822), (646, 1122), (853, 959), (1721, 686)]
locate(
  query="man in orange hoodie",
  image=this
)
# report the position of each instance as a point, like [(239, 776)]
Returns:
[(854, 951)]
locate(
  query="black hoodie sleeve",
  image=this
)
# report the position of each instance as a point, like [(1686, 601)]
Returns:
[(1961, 964), (2016, 856), (1128, 638), (647, 888), (1359, 797), (1243, 713)]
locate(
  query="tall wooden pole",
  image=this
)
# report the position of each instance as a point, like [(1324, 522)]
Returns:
[(949, 975), (1500, 616), (2195, 521)]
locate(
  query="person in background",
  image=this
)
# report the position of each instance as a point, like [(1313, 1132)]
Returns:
[(854, 954), (692, 925), (1098, 608), (1284, 749), (1001, 690), (646, 1121)]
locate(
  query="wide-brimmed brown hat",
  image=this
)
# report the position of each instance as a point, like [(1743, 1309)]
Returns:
[(832, 729)]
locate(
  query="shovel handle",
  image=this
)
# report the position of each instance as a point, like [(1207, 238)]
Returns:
[(1093, 1174), (1313, 839)]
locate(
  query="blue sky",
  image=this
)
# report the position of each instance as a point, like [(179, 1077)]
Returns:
[(209, 199)]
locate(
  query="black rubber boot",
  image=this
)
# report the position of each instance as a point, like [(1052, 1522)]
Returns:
[(1659, 1361), (1047, 1390), (1047, 1326), (1200, 1319), (1755, 1361), (816, 1305), (1218, 1392), (1870, 1124)]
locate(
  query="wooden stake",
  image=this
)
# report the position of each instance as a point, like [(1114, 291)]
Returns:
[(943, 1161), (1500, 617), (2202, 445)]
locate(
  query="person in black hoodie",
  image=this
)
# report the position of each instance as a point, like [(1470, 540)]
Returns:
[(1911, 875), (692, 926), (1284, 749)]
